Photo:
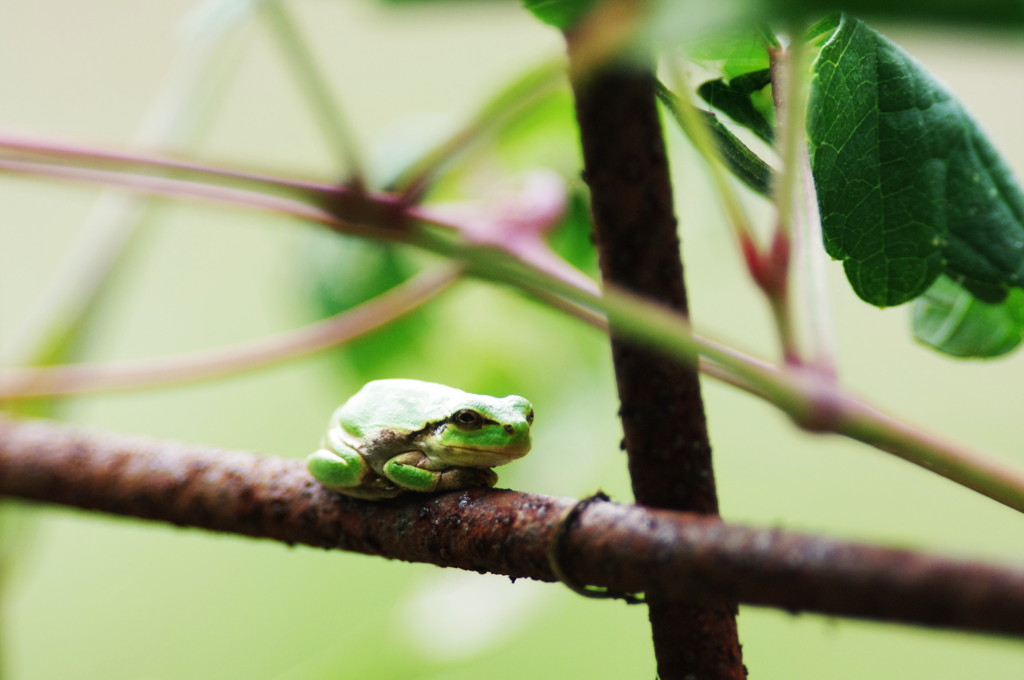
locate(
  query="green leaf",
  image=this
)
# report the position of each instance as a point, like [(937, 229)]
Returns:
[(735, 99), (344, 272), (746, 165), (821, 30), (561, 14), (909, 187), (951, 320), (733, 54)]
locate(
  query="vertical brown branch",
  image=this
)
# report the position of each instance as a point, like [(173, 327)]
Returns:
[(661, 407)]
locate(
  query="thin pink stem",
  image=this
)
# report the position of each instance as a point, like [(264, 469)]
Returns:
[(39, 149), (20, 383)]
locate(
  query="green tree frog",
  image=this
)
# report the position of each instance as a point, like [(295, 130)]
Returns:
[(395, 436)]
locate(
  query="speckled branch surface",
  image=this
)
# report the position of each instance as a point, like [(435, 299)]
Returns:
[(664, 430), (626, 548)]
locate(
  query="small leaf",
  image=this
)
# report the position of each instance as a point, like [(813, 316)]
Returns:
[(734, 99), (561, 14), (951, 320), (909, 187), (746, 165), (733, 54), (822, 30)]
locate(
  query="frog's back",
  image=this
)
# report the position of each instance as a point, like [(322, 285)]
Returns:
[(398, 404)]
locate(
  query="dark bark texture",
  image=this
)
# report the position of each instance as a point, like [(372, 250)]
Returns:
[(661, 407)]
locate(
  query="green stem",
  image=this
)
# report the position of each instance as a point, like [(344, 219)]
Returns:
[(810, 278), (789, 80), (508, 106), (813, 401), (788, 70), (696, 130), (990, 477), (806, 286), (816, 403), (326, 111), (768, 267)]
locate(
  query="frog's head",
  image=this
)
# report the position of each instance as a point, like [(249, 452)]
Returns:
[(484, 432)]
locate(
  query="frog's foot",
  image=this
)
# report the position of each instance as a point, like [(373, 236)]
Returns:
[(349, 474), (376, 489), (466, 478), (337, 471), (406, 471)]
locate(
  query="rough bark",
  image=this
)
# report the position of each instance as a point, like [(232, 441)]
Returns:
[(661, 407)]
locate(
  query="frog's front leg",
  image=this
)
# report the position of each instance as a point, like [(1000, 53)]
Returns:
[(346, 471), (407, 470)]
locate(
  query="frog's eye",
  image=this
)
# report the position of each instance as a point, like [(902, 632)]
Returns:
[(468, 419), (529, 417)]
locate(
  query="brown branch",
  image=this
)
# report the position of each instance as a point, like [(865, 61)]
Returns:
[(689, 557), (662, 411)]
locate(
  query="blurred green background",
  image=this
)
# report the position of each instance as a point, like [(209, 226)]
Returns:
[(90, 596)]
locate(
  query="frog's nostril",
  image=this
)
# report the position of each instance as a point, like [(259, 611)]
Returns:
[(509, 429)]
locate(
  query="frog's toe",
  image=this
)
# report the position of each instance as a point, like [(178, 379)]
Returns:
[(334, 471), (466, 478)]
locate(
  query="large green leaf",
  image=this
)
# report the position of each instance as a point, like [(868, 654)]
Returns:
[(909, 188), (951, 320)]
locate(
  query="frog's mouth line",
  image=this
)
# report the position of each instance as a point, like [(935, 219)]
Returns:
[(506, 453)]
